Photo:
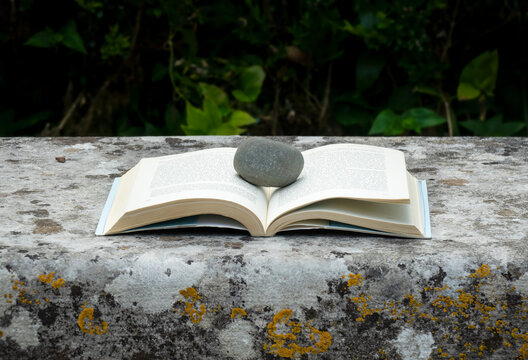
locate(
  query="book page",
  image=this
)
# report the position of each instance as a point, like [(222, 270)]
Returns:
[(205, 174), (344, 171)]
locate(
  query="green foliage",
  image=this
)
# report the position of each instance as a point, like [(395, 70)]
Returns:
[(402, 28), (12, 126), (68, 36), (209, 121), (368, 69), (299, 67), (45, 39), (89, 5), (479, 76), (216, 116), (249, 84), (493, 127), (477, 82), (389, 123), (217, 95), (116, 44), (317, 30), (71, 37)]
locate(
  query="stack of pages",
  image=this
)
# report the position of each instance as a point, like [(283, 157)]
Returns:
[(343, 187)]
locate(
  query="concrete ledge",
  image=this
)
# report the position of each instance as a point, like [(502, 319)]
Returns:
[(211, 294)]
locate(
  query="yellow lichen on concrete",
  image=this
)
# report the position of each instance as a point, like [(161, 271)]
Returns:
[(470, 309), (413, 304), (26, 296), (191, 296), (362, 306), (58, 283), (482, 271), (383, 354), (284, 345), (46, 278), (86, 318), (238, 312), (22, 296), (354, 280), (523, 351), (518, 336)]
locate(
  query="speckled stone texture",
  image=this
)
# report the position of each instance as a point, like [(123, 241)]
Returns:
[(215, 294)]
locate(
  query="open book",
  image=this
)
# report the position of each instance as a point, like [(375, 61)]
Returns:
[(343, 186)]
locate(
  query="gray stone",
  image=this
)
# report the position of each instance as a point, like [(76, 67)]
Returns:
[(464, 291), (266, 162)]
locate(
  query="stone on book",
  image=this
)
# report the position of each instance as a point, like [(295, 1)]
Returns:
[(265, 162)]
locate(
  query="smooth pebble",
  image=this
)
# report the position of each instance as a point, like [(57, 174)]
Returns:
[(265, 162)]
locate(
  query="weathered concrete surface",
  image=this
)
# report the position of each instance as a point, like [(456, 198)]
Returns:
[(183, 294)]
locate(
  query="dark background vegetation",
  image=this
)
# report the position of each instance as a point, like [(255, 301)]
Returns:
[(131, 67)]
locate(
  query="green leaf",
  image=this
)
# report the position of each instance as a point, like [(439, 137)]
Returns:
[(477, 127), (227, 129), (241, 96), (368, 69), (423, 89), (353, 117), (32, 120), (406, 123), (368, 19), (196, 119), (383, 122), (389, 123), (249, 84), (125, 128), (467, 91), (44, 39), (152, 130), (212, 113), (425, 117), (493, 127), (71, 37), (354, 97), (202, 122), (187, 130), (159, 71), (115, 43), (173, 119), (217, 95), (240, 118), (10, 125), (349, 27), (480, 74), (6, 119), (511, 128), (89, 5)]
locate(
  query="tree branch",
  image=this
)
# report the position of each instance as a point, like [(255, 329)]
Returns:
[(324, 104), (68, 115), (136, 29), (449, 42), (447, 107), (88, 118), (276, 105)]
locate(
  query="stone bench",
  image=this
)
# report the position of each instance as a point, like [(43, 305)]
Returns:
[(217, 294)]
